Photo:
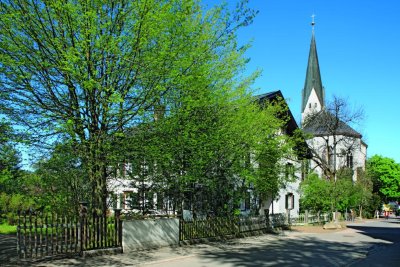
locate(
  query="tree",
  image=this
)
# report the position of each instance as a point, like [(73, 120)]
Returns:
[(14, 195), (364, 197), (88, 71), (322, 195), (385, 175), (315, 194), (9, 159), (208, 149), (59, 182)]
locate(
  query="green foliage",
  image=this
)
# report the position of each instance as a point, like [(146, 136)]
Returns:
[(385, 175), (88, 71), (315, 194), (343, 193), (61, 181), (325, 195), (206, 151)]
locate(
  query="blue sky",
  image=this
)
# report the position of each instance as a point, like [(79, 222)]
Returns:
[(358, 44)]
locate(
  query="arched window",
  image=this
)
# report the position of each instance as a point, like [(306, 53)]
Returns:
[(349, 160)]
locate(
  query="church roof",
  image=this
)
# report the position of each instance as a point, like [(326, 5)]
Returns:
[(313, 76), (324, 123)]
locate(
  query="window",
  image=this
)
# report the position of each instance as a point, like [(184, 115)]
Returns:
[(289, 201), (309, 105), (315, 105), (247, 203), (289, 171), (127, 169), (349, 160), (130, 200)]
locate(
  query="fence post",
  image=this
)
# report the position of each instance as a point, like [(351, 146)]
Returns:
[(118, 226), (19, 234), (82, 214)]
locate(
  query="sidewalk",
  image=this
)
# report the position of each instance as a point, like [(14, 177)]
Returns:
[(271, 249)]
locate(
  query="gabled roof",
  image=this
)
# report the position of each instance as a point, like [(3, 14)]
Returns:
[(291, 125), (302, 148), (313, 76), (324, 123)]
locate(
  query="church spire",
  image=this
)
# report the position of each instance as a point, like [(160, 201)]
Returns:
[(313, 79)]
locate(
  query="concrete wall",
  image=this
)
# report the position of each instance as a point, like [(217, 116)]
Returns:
[(150, 233)]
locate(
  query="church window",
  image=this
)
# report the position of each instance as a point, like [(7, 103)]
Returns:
[(349, 160), (309, 105)]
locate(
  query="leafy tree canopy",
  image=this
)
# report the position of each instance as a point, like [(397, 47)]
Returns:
[(90, 70), (385, 174)]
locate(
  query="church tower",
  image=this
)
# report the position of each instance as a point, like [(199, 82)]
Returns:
[(313, 94)]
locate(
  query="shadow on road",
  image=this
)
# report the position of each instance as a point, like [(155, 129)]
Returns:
[(8, 248), (305, 251), (388, 230)]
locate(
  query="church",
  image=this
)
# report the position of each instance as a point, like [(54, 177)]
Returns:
[(335, 145)]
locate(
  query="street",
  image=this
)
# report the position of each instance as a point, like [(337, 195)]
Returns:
[(369, 243), (361, 244)]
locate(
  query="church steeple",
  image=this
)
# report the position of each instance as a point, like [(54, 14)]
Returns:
[(313, 92)]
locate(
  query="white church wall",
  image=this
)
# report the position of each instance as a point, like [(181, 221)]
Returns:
[(348, 144)]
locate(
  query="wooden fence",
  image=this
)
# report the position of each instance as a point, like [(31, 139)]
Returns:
[(43, 235), (221, 226), (310, 218), (225, 226), (218, 226)]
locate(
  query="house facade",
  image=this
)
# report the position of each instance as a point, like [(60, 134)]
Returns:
[(130, 193), (286, 201)]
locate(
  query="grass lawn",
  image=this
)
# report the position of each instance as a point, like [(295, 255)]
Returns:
[(8, 229)]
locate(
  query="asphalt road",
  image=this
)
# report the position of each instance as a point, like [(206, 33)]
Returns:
[(371, 243), (382, 254)]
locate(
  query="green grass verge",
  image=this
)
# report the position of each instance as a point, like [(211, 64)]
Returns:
[(8, 229)]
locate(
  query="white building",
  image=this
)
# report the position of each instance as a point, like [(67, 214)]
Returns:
[(287, 199)]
